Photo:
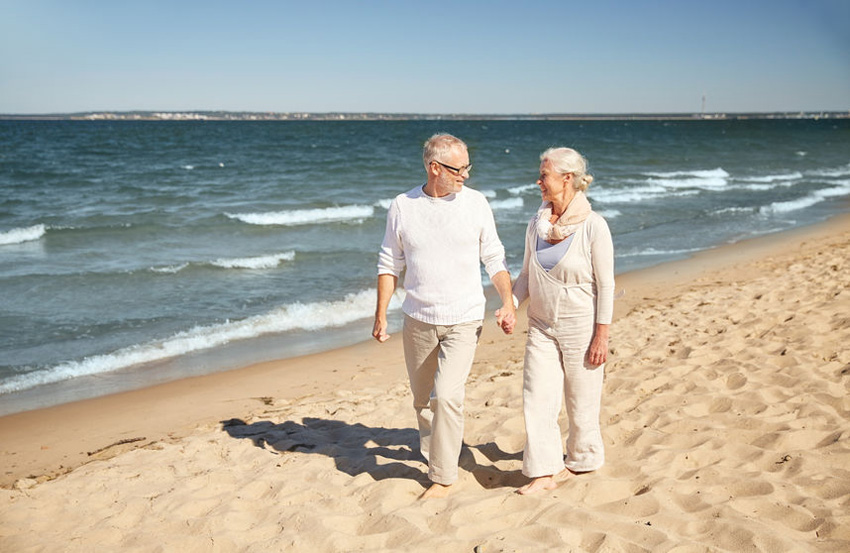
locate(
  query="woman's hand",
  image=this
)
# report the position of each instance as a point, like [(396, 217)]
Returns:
[(597, 354)]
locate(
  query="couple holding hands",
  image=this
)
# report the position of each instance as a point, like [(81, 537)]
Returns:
[(439, 234)]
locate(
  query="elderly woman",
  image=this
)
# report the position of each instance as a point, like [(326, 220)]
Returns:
[(568, 277)]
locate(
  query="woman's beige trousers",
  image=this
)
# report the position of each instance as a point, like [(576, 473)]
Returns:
[(555, 368)]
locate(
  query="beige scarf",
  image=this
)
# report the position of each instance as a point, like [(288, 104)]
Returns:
[(578, 210)]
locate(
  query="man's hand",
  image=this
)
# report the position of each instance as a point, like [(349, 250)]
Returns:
[(386, 287), (506, 318), (379, 332), (505, 315)]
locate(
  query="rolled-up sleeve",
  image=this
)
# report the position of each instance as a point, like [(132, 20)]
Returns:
[(602, 260), (391, 254), (492, 252)]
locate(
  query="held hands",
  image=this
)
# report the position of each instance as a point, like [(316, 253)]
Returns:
[(379, 332), (506, 318)]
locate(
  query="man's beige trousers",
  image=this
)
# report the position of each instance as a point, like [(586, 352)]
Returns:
[(438, 360)]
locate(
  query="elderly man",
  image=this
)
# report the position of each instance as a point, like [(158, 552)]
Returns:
[(438, 233)]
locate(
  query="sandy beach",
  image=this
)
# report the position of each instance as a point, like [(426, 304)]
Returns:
[(726, 419)]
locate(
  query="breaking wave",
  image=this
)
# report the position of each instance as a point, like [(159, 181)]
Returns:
[(351, 213), (21, 235)]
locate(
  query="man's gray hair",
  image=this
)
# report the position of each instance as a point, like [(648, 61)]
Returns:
[(438, 146), (567, 160)]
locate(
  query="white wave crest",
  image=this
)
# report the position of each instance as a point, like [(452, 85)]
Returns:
[(384, 203), (718, 173), (306, 216), (654, 252), (758, 187), (712, 179), (510, 203), (626, 195), (488, 193), (726, 210), (296, 316), (517, 190), (171, 269), (815, 197), (19, 235), (842, 171), (261, 262), (610, 213), (784, 178)]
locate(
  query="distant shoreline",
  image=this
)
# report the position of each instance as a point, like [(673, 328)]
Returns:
[(369, 116)]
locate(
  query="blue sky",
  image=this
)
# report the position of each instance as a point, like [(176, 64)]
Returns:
[(520, 56)]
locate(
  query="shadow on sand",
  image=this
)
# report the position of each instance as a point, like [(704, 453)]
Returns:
[(380, 452)]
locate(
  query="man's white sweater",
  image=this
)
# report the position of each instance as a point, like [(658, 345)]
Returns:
[(441, 243)]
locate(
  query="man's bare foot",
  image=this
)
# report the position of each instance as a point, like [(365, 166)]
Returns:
[(544, 483), (537, 485), (436, 491)]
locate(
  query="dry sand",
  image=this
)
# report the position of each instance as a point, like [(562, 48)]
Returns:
[(725, 417)]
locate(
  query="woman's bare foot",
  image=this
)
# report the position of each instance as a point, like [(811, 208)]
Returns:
[(436, 491), (563, 475)]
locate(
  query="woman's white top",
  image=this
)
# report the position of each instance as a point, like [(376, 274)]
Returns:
[(581, 283), (550, 254), (440, 244)]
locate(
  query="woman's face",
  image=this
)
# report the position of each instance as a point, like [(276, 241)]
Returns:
[(554, 186)]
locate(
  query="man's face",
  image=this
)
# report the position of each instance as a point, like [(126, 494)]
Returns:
[(453, 170)]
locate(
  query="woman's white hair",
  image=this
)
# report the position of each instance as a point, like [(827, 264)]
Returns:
[(439, 146), (567, 160)]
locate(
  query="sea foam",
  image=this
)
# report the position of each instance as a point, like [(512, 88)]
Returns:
[(627, 195), (384, 203), (260, 262), (786, 178), (352, 213), (509, 203), (841, 171), (20, 235), (518, 190), (706, 179), (655, 252), (295, 316), (809, 200)]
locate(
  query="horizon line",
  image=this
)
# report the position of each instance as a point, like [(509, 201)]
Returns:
[(206, 114)]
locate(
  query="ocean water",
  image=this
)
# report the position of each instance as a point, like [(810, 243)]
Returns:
[(137, 252)]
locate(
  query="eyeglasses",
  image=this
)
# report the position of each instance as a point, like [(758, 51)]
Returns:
[(456, 170)]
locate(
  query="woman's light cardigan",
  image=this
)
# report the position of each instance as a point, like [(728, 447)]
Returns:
[(582, 283)]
